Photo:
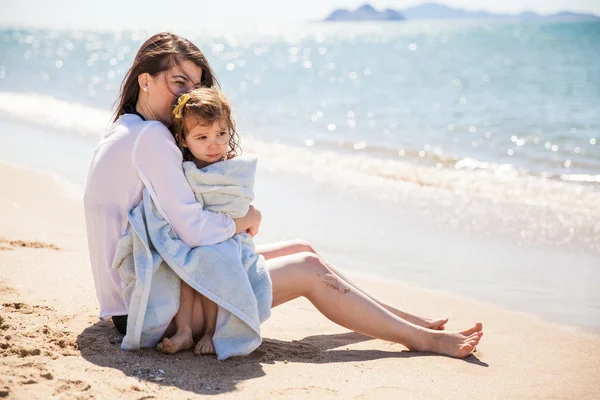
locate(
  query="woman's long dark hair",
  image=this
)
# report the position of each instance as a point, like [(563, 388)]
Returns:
[(159, 53)]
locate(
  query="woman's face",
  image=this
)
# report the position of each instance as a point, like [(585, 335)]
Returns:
[(164, 89)]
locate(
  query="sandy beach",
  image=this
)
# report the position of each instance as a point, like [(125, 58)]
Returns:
[(52, 344)]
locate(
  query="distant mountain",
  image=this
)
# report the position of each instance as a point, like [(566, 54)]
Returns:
[(364, 13), (574, 15), (438, 11)]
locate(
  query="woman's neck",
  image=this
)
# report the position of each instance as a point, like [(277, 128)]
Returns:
[(142, 108)]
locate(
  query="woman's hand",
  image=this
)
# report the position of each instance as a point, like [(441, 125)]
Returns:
[(249, 223)]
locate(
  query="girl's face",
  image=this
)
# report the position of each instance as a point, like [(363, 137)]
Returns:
[(163, 89), (208, 144)]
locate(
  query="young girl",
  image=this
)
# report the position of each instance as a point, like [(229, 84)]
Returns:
[(205, 133)]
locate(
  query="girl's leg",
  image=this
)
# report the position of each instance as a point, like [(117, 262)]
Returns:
[(280, 249), (198, 317), (183, 338), (205, 345), (307, 274)]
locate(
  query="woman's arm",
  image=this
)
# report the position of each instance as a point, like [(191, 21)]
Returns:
[(159, 165)]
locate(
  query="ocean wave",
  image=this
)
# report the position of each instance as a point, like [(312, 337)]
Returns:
[(463, 177), (58, 115)]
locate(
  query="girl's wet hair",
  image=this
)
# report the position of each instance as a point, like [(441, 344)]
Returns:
[(160, 53), (204, 106)]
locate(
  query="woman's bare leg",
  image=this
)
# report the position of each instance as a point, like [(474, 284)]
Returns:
[(285, 248), (205, 345), (281, 249), (183, 338), (307, 274)]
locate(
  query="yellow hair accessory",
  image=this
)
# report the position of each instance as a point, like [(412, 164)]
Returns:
[(178, 111)]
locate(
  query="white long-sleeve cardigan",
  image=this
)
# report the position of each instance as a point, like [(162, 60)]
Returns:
[(131, 155)]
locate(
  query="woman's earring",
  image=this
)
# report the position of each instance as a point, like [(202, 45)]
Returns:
[(145, 88)]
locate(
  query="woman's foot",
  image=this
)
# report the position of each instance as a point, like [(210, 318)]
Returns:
[(182, 340), (453, 344), (205, 345), (435, 324)]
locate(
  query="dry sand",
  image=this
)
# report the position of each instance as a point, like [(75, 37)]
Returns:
[(52, 344)]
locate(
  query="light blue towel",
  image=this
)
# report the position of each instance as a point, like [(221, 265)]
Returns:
[(152, 260)]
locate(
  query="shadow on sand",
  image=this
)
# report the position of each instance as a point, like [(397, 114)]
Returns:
[(100, 345)]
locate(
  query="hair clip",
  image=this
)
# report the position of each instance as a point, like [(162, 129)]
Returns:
[(178, 111)]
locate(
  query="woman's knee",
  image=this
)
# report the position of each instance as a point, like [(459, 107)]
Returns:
[(302, 246), (314, 265), (317, 275), (298, 275)]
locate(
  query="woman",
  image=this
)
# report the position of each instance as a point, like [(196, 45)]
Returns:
[(137, 152)]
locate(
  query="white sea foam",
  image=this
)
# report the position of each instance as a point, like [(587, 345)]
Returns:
[(581, 178), (499, 183)]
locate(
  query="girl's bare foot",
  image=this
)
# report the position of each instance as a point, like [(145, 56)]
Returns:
[(182, 340), (453, 344), (205, 345)]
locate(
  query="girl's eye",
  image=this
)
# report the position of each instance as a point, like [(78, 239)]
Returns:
[(202, 137), (222, 133), (180, 83)]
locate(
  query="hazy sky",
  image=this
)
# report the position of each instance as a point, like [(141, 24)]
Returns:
[(155, 13)]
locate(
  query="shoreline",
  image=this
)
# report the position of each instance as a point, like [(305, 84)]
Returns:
[(52, 341)]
